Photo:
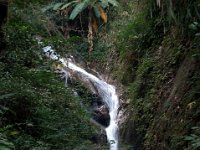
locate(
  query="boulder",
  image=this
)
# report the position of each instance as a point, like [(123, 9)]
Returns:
[(101, 115), (99, 138)]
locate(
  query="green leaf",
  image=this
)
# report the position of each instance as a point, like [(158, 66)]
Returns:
[(3, 147), (195, 128), (78, 8), (192, 27), (1, 112), (197, 34), (196, 145), (5, 96), (97, 12), (57, 5), (104, 3), (5, 109), (113, 2), (195, 23), (47, 8), (68, 4), (6, 145), (189, 138)]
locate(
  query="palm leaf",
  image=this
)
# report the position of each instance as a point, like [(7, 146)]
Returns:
[(97, 12), (68, 4), (47, 7), (78, 8), (104, 3), (57, 5), (113, 2), (6, 96)]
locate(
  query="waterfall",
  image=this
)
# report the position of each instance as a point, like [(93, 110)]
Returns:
[(106, 91)]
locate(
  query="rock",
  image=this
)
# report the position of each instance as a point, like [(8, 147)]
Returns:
[(96, 102), (100, 111), (99, 138), (101, 115), (104, 110)]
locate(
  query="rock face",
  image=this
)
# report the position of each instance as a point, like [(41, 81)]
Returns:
[(100, 111)]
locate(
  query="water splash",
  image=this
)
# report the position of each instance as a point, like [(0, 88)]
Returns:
[(106, 91)]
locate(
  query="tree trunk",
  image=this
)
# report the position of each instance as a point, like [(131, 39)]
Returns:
[(90, 32)]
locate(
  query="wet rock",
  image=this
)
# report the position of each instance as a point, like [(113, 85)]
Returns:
[(101, 115), (96, 101), (100, 111), (100, 138)]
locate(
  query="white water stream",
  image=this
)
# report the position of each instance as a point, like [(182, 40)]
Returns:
[(106, 91)]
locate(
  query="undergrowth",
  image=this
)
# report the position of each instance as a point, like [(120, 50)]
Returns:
[(151, 51), (37, 111)]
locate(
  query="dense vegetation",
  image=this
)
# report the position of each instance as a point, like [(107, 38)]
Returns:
[(151, 47), (37, 111), (156, 58)]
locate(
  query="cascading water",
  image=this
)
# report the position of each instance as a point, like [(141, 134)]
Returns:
[(106, 91)]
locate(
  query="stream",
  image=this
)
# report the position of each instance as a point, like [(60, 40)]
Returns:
[(106, 91)]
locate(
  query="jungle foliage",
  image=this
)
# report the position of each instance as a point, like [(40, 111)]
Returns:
[(36, 110), (158, 63), (81, 18), (152, 49)]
